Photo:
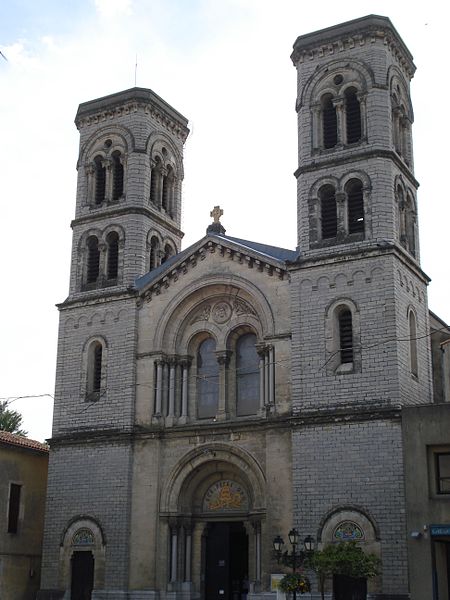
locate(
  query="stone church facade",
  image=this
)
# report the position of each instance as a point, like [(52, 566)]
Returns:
[(210, 398)]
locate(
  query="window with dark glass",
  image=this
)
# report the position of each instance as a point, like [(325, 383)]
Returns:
[(100, 180), (207, 379), (443, 472), (167, 190), (112, 242), (413, 343), (329, 122), (94, 383), (247, 375), (328, 212), (13, 507), (155, 182), (117, 169), (93, 260), (355, 206), (345, 336), (352, 116), (154, 252)]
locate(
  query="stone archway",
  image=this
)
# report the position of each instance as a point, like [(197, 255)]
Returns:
[(213, 508)]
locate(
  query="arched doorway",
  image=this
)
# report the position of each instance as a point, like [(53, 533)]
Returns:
[(215, 502)]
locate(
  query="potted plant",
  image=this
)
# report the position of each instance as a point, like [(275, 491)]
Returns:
[(294, 583)]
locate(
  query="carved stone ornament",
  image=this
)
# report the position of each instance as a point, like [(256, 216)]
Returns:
[(221, 312), (225, 496), (202, 315), (83, 537), (241, 307)]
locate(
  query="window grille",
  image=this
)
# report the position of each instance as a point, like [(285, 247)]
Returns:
[(93, 264), (329, 123), (355, 203), (100, 180), (328, 212), (346, 336), (113, 255), (117, 176), (353, 116)]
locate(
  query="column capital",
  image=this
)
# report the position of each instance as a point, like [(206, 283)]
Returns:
[(223, 357)]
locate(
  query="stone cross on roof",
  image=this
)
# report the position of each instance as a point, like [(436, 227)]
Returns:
[(216, 213)]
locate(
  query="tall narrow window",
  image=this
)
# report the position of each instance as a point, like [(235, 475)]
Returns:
[(13, 508), (207, 379), (345, 336), (410, 225), (117, 169), (94, 372), (413, 343), (154, 252), (329, 122), (100, 180), (93, 260), (167, 190), (328, 212), (352, 116), (155, 183), (112, 241), (443, 472), (247, 375), (168, 252), (355, 206)]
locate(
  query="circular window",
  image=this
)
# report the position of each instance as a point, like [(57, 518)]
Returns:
[(338, 79)]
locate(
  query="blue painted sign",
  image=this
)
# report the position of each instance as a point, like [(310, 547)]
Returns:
[(440, 530)]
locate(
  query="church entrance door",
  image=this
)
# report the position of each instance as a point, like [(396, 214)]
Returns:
[(82, 576), (349, 588), (226, 562)]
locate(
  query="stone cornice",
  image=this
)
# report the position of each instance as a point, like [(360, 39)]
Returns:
[(264, 264), (342, 158), (132, 101), (353, 34), (124, 210), (99, 296), (367, 251)]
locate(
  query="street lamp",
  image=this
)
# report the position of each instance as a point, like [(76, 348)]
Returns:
[(294, 558)]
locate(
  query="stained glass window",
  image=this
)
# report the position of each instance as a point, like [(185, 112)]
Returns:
[(83, 537), (347, 530)]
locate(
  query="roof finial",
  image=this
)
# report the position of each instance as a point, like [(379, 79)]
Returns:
[(216, 226)]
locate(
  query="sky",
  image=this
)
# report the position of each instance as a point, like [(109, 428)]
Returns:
[(224, 65)]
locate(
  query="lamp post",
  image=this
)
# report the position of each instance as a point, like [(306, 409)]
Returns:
[(295, 558)]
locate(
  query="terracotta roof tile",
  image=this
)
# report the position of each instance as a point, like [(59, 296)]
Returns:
[(22, 442)]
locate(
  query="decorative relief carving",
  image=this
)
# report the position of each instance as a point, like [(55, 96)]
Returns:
[(241, 307), (202, 315), (221, 312), (225, 496)]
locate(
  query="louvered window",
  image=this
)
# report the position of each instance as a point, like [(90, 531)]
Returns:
[(355, 205), (328, 212), (346, 336), (100, 180), (113, 255), (117, 176), (93, 260), (97, 371), (329, 122), (353, 116)]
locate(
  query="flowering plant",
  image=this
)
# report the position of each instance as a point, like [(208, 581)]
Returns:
[(295, 582)]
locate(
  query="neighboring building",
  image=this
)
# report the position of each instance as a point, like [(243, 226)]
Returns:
[(426, 432), (23, 486), (210, 398)]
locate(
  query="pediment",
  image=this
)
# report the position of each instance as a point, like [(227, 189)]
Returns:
[(178, 266)]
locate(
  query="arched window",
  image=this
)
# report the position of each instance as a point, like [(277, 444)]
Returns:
[(207, 379), (345, 336), (93, 260), (112, 241), (247, 375), (155, 183), (167, 190), (413, 343), (355, 206), (328, 212), (100, 180), (94, 371), (329, 122), (168, 252), (117, 169), (352, 116), (410, 225), (154, 252)]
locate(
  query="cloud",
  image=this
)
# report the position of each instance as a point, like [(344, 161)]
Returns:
[(113, 8)]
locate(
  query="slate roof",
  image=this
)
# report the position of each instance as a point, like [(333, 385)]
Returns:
[(13, 439), (271, 252)]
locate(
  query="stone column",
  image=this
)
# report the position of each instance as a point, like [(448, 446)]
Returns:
[(159, 382), (316, 127), (341, 210), (223, 358), (262, 402), (363, 111), (187, 552), (338, 103), (171, 393), (257, 534), (173, 552), (271, 376), (185, 364)]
